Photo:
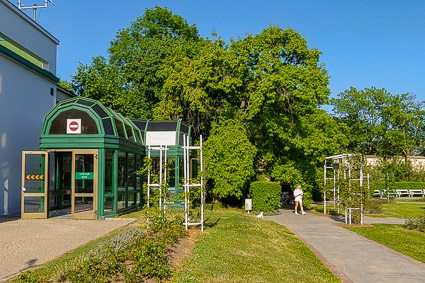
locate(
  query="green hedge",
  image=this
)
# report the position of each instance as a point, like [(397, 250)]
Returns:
[(377, 186), (265, 196), (399, 186)]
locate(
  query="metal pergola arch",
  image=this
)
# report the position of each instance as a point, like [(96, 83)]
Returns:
[(335, 167)]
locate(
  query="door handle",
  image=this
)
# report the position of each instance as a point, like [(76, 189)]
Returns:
[(24, 189)]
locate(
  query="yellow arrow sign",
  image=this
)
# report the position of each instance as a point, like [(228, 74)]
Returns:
[(35, 177)]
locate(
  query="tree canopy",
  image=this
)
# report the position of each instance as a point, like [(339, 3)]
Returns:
[(256, 99), (381, 123), (229, 158), (128, 80)]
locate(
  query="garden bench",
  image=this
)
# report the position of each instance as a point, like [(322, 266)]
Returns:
[(416, 192), (403, 193), (384, 193)]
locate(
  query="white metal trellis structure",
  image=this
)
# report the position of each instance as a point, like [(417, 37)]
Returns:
[(188, 183), (337, 161), (335, 168), (162, 176)]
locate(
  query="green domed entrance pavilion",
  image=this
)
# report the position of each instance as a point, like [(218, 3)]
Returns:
[(89, 158)]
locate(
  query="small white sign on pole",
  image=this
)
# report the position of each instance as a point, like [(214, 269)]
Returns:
[(248, 204), (73, 126)]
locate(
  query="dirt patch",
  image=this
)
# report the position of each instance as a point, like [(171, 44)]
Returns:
[(177, 253), (182, 250)]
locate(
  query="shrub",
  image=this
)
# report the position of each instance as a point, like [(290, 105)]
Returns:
[(30, 276), (265, 196), (374, 206), (130, 255), (416, 224), (307, 199), (410, 185), (229, 157), (377, 186)]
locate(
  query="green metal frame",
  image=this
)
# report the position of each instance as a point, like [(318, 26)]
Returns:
[(100, 141), (103, 142)]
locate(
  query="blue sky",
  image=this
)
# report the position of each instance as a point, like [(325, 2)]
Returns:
[(377, 43)]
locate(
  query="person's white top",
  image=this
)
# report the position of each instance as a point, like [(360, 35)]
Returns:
[(298, 195)]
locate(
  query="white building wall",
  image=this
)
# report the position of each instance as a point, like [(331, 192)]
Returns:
[(25, 99), (17, 26)]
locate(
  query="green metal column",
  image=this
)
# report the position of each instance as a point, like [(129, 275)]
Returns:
[(177, 173), (101, 183), (142, 181), (115, 181), (126, 180)]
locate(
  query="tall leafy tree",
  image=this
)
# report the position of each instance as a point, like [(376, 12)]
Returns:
[(405, 128), (361, 111), (263, 90), (103, 81), (229, 159), (272, 83), (381, 123), (128, 79)]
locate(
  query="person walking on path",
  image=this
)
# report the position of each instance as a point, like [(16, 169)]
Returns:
[(298, 195)]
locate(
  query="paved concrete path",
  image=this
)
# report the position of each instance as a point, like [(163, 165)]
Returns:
[(26, 244), (351, 257)]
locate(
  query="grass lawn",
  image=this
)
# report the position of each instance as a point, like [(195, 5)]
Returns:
[(318, 209), (411, 200), (401, 210), (241, 248), (234, 248), (392, 209), (408, 242)]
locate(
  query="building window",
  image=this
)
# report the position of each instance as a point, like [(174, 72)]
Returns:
[(59, 124)]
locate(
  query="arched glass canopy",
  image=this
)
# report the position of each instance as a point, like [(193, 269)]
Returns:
[(95, 156), (80, 116)]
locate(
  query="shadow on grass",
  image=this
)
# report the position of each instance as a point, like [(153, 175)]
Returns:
[(210, 225)]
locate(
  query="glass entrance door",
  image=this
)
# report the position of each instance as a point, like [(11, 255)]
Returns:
[(34, 201), (84, 184)]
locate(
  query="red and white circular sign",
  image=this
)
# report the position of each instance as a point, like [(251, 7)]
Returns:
[(73, 126)]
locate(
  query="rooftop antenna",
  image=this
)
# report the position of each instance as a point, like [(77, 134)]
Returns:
[(34, 7)]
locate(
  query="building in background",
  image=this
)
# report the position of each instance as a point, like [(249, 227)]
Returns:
[(417, 162), (28, 91)]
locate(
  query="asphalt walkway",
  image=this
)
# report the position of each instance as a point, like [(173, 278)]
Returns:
[(25, 244), (350, 256)]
